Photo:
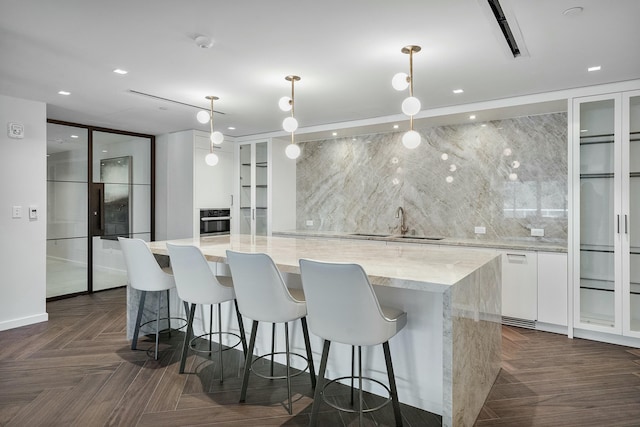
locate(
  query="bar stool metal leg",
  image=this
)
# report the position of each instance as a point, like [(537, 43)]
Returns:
[(136, 330), (241, 326), (353, 370), (220, 343), (210, 329), (317, 396), (158, 325), (187, 336), (286, 340), (168, 313), (392, 384), (273, 345), (247, 362), (307, 344)]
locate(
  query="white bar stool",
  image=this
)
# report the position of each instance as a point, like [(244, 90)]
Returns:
[(197, 283), (342, 307), (145, 275), (263, 297)]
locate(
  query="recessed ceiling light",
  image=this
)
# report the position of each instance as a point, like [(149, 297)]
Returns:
[(334, 133), (584, 130), (472, 117), (231, 128), (74, 136), (64, 92), (484, 125), (458, 91), (396, 126), (120, 71), (104, 151), (596, 68)]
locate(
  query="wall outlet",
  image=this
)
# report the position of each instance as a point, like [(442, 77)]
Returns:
[(537, 232), (16, 212), (480, 230), (309, 223)]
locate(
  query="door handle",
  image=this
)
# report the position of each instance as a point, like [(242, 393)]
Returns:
[(626, 230)]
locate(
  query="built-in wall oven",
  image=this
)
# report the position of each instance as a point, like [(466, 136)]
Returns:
[(215, 221)]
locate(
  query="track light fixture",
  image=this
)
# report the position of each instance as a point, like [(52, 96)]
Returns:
[(411, 105)]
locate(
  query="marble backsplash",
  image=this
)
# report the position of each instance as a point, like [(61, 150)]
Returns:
[(508, 176)]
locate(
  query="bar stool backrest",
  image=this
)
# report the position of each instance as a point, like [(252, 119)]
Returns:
[(260, 290), (143, 270), (342, 306), (196, 283)]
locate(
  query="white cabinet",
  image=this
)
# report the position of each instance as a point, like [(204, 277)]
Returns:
[(552, 288), (519, 284), (213, 184), (185, 183), (265, 188), (606, 182)]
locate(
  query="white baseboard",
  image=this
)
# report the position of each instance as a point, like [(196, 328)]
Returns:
[(23, 321), (608, 338), (550, 327)]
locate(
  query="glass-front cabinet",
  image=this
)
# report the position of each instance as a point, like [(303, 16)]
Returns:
[(607, 297), (631, 273), (254, 188)]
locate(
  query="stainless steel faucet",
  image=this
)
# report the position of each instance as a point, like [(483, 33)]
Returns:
[(400, 215)]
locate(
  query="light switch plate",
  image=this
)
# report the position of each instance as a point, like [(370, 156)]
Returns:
[(480, 230), (537, 232), (33, 212), (15, 130)]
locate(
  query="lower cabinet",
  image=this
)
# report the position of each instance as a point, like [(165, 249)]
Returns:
[(520, 284), (552, 288)]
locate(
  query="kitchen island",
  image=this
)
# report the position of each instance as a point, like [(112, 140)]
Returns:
[(447, 357)]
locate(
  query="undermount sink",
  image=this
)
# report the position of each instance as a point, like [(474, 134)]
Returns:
[(421, 237), (369, 235)]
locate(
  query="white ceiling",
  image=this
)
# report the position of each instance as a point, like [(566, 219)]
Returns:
[(346, 52)]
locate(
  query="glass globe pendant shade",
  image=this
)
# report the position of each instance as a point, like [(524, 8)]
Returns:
[(290, 124), (400, 81), (285, 103), (203, 116), (411, 139), (411, 106), (211, 159), (217, 137), (292, 151)]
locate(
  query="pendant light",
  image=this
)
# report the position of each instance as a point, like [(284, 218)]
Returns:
[(216, 137), (411, 105), (290, 124)]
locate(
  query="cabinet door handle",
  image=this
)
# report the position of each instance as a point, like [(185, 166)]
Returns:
[(516, 258), (231, 200), (253, 213), (618, 219), (626, 230)]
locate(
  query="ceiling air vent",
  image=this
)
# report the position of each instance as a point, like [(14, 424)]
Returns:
[(507, 32)]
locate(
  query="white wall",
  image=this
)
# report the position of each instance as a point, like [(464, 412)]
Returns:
[(23, 244)]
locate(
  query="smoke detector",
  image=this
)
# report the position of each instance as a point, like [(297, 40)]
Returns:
[(204, 42)]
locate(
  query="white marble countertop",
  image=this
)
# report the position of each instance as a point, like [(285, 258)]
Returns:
[(420, 267), (537, 244)]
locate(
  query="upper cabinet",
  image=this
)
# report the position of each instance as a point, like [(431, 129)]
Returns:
[(265, 188), (607, 226)]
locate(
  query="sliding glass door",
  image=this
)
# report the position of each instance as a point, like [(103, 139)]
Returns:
[(67, 195), (99, 188)]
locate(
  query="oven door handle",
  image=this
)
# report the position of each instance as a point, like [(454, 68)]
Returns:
[(215, 218)]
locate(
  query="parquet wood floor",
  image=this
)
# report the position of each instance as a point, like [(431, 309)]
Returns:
[(77, 369)]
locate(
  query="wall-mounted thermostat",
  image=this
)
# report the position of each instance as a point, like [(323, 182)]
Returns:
[(15, 130)]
